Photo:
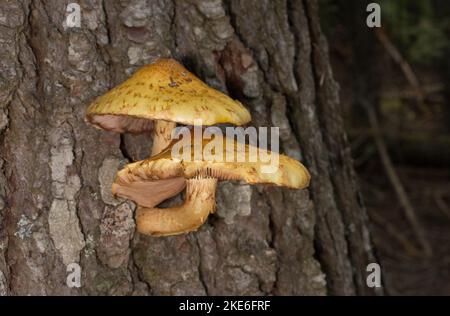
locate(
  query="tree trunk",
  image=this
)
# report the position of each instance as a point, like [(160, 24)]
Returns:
[(56, 171)]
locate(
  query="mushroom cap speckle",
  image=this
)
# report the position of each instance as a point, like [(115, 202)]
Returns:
[(163, 90), (289, 172)]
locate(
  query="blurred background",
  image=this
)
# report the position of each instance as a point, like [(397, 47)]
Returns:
[(395, 99)]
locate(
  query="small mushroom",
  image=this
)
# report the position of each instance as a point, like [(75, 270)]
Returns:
[(149, 182), (165, 93)]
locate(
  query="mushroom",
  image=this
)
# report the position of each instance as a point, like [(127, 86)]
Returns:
[(150, 181), (165, 93)]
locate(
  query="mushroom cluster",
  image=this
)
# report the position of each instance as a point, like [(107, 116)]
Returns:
[(156, 98)]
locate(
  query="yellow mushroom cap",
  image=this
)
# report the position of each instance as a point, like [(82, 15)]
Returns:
[(172, 169), (163, 90)]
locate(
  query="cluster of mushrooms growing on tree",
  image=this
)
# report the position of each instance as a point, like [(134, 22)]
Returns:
[(155, 99)]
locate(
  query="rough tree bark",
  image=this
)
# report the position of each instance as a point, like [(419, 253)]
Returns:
[(55, 171)]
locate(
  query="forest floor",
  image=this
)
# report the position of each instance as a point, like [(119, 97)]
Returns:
[(417, 142), (407, 271)]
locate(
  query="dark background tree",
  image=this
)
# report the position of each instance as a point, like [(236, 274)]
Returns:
[(398, 76), (55, 170)]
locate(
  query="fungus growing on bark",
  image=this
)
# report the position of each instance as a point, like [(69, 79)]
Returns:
[(153, 180), (157, 97)]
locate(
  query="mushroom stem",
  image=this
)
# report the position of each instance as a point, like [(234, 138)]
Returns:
[(162, 135), (199, 202)]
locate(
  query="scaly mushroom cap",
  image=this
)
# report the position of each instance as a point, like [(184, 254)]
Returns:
[(164, 90), (172, 169)]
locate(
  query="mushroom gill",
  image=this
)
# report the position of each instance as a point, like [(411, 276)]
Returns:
[(149, 193), (120, 123)]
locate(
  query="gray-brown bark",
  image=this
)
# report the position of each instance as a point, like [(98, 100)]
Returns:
[(56, 171)]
